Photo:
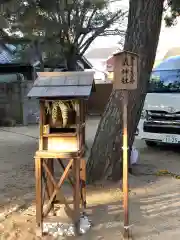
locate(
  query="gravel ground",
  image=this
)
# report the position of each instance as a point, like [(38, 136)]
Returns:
[(154, 201)]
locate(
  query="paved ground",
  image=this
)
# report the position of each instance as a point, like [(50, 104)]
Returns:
[(154, 202)]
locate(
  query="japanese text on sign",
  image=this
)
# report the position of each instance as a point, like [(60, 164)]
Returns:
[(125, 71)]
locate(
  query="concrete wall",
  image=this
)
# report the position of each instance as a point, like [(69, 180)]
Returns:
[(30, 106), (98, 100), (15, 105), (9, 101)]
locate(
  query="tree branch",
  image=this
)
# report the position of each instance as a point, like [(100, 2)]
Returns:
[(87, 27), (98, 32)]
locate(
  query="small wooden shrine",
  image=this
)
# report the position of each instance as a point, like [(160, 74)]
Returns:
[(62, 98)]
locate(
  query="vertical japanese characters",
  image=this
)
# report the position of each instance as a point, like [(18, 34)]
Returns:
[(127, 73)]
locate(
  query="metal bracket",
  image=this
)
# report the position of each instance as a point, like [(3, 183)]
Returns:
[(125, 148)]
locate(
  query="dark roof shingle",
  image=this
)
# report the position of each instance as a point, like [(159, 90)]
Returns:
[(62, 84)]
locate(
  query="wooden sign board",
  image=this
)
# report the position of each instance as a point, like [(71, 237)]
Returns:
[(125, 70)]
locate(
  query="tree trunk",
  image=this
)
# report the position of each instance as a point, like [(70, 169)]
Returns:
[(71, 58), (71, 63), (144, 23), (38, 53)]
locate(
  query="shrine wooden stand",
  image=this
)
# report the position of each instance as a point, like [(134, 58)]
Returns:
[(61, 140)]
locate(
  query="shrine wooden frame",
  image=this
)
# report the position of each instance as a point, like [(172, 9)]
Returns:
[(76, 164), (50, 87), (79, 188)]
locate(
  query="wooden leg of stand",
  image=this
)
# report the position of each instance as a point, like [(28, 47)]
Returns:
[(76, 166), (39, 207), (83, 182), (50, 186)]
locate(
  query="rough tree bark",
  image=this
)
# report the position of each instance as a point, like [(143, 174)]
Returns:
[(71, 58), (144, 24), (72, 63)]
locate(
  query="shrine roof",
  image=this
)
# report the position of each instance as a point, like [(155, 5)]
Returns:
[(63, 84)]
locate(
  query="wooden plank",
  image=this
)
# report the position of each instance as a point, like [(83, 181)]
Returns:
[(50, 186), (56, 154), (60, 135), (57, 187), (63, 167), (42, 81), (41, 123), (39, 207), (72, 80), (62, 144), (86, 80), (59, 74), (83, 182), (60, 91), (75, 79), (125, 71), (76, 166), (49, 81), (58, 81)]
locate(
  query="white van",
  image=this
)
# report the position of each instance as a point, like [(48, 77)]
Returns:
[(160, 118)]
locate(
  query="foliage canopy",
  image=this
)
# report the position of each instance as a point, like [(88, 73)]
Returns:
[(62, 27), (172, 8)]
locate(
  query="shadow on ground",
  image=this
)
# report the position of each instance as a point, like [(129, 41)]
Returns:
[(151, 217), (154, 201)]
